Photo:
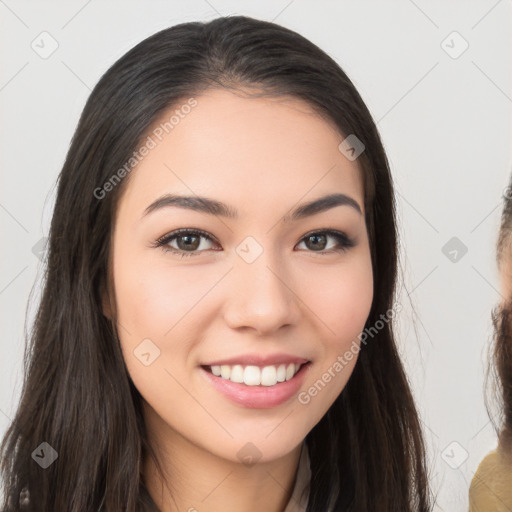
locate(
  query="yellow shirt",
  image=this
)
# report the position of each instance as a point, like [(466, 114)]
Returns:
[(491, 487)]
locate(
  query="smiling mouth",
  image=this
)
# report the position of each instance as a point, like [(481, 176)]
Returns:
[(250, 375)]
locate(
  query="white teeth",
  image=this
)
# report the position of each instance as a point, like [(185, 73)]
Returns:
[(254, 375), (281, 373), (269, 375), (225, 371), (237, 373)]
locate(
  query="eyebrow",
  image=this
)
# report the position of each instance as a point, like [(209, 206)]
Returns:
[(214, 207)]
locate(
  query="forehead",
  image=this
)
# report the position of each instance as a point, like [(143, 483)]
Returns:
[(242, 149)]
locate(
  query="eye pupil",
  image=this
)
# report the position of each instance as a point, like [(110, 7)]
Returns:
[(187, 244), (323, 237)]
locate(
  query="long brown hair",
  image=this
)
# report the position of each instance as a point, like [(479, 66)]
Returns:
[(500, 362), (367, 453)]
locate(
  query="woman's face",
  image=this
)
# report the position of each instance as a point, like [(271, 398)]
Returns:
[(254, 284)]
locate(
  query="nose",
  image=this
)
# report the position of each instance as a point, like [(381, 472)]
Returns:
[(261, 296)]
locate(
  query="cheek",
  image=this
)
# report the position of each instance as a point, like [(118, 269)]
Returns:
[(155, 307), (341, 298), (166, 305), (341, 301), (152, 298)]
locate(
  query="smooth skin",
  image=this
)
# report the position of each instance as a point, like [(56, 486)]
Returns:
[(262, 157)]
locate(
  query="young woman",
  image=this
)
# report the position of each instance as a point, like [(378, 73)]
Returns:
[(216, 328), (491, 487)]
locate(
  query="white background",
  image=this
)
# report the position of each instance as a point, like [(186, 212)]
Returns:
[(445, 123)]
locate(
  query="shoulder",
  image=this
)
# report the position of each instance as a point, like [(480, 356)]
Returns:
[(491, 486)]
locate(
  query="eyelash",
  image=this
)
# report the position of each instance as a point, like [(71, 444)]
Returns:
[(344, 242)]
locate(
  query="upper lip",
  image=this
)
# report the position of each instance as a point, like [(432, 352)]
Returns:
[(259, 360)]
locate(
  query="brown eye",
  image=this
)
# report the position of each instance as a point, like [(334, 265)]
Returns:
[(188, 242), (318, 241), (191, 242)]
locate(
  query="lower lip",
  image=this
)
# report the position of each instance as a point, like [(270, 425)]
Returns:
[(258, 397)]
